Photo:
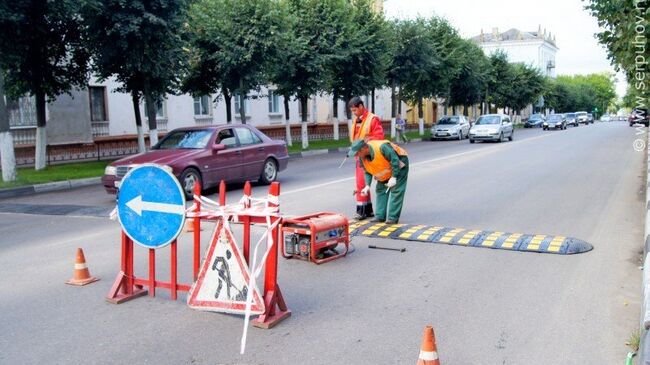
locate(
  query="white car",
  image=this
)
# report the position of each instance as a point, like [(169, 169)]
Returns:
[(450, 127), (492, 127), (606, 118)]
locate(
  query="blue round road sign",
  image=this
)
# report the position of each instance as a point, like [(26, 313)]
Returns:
[(151, 206)]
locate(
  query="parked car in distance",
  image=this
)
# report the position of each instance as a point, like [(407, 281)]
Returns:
[(571, 119), (208, 155), (491, 127), (534, 121), (639, 115), (606, 118), (582, 117), (450, 127), (555, 121), (590, 117)]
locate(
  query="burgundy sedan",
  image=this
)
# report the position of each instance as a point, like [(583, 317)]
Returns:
[(209, 155)]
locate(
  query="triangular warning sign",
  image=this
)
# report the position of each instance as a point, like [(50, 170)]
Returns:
[(222, 284)]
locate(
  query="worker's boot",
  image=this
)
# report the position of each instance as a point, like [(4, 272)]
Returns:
[(364, 211)]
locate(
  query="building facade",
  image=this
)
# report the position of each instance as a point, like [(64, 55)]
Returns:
[(534, 48)]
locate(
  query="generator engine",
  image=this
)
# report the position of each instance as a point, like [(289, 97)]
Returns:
[(315, 237)]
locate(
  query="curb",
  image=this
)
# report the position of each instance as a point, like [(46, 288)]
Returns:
[(644, 345), (48, 187)]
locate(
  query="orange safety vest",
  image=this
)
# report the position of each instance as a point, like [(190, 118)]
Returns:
[(363, 131), (379, 166)]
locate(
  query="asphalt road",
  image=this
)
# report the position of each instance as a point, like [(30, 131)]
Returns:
[(487, 306)]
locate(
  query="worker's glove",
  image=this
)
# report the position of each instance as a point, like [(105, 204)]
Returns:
[(366, 190), (391, 182)]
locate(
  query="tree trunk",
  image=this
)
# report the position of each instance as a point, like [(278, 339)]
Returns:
[(227, 98), (303, 125), (372, 102), (40, 158), (393, 110), (399, 102), (465, 111), (335, 116), (287, 124), (151, 103), (138, 121), (242, 102), (7, 155), (420, 117)]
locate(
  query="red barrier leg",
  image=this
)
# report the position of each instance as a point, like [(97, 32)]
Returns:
[(173, 284), (272, 294), (246, 220), (197, 232), (123, 289), (222, 193), (152, 272)]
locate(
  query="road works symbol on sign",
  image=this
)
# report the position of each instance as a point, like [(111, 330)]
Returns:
[(222, 285), (151, 206)]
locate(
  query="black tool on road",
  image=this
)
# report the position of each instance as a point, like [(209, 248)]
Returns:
[(387, 248)]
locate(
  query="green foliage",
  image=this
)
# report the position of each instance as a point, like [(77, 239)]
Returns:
[(232, 44), (500, 80), (139, 42), (580, 93), (526, 88), (468, 86), (42, 47), (363, 51)]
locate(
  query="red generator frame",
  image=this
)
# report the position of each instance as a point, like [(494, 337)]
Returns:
[(309, 236)]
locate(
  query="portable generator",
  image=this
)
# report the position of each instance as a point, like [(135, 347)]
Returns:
[(315, 237)]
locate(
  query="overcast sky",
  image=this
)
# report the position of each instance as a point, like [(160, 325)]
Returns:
[(574, 27)]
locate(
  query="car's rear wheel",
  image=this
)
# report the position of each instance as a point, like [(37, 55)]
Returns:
[(512, 134), (500, 137), (269, 172), (471, 140), (189, 178)]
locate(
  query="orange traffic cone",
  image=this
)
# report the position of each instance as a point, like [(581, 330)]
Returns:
[(81, 275), (189, 225), (428, 351)]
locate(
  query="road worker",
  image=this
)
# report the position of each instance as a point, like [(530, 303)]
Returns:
[(387, 163), (365, 126)]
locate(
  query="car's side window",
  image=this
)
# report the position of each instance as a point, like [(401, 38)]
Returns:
[(227, 137), (246, 137)]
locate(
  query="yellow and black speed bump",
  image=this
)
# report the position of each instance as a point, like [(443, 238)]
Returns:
[(475, 238)]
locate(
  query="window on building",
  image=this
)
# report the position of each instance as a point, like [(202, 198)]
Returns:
[(160, 109), (246, 137), (202, 105), (98, 104), (274, 102), (22, 111), (238, 98)]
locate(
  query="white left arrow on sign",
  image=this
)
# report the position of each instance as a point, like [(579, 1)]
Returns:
[(137, 205)]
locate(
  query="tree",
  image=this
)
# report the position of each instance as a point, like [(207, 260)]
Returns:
[(314, 34), (580, 92), (7, 156), (43, 53), (414, 62), (526, 88), (139, 42), (468, 86), (232, 44), (500, 81), (362, 56)]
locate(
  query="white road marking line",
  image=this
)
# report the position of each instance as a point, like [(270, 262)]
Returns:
[(333, 182)]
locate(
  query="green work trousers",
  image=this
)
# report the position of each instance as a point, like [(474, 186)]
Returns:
[(390, 201)]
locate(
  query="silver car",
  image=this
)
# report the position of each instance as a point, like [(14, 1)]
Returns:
[(572, 119), (492, 127), (582, 117), (450, 127)]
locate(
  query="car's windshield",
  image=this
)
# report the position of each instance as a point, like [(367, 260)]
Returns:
[(449, 120), (554, 117), (488, 119), (185, 139), (570, 115)]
